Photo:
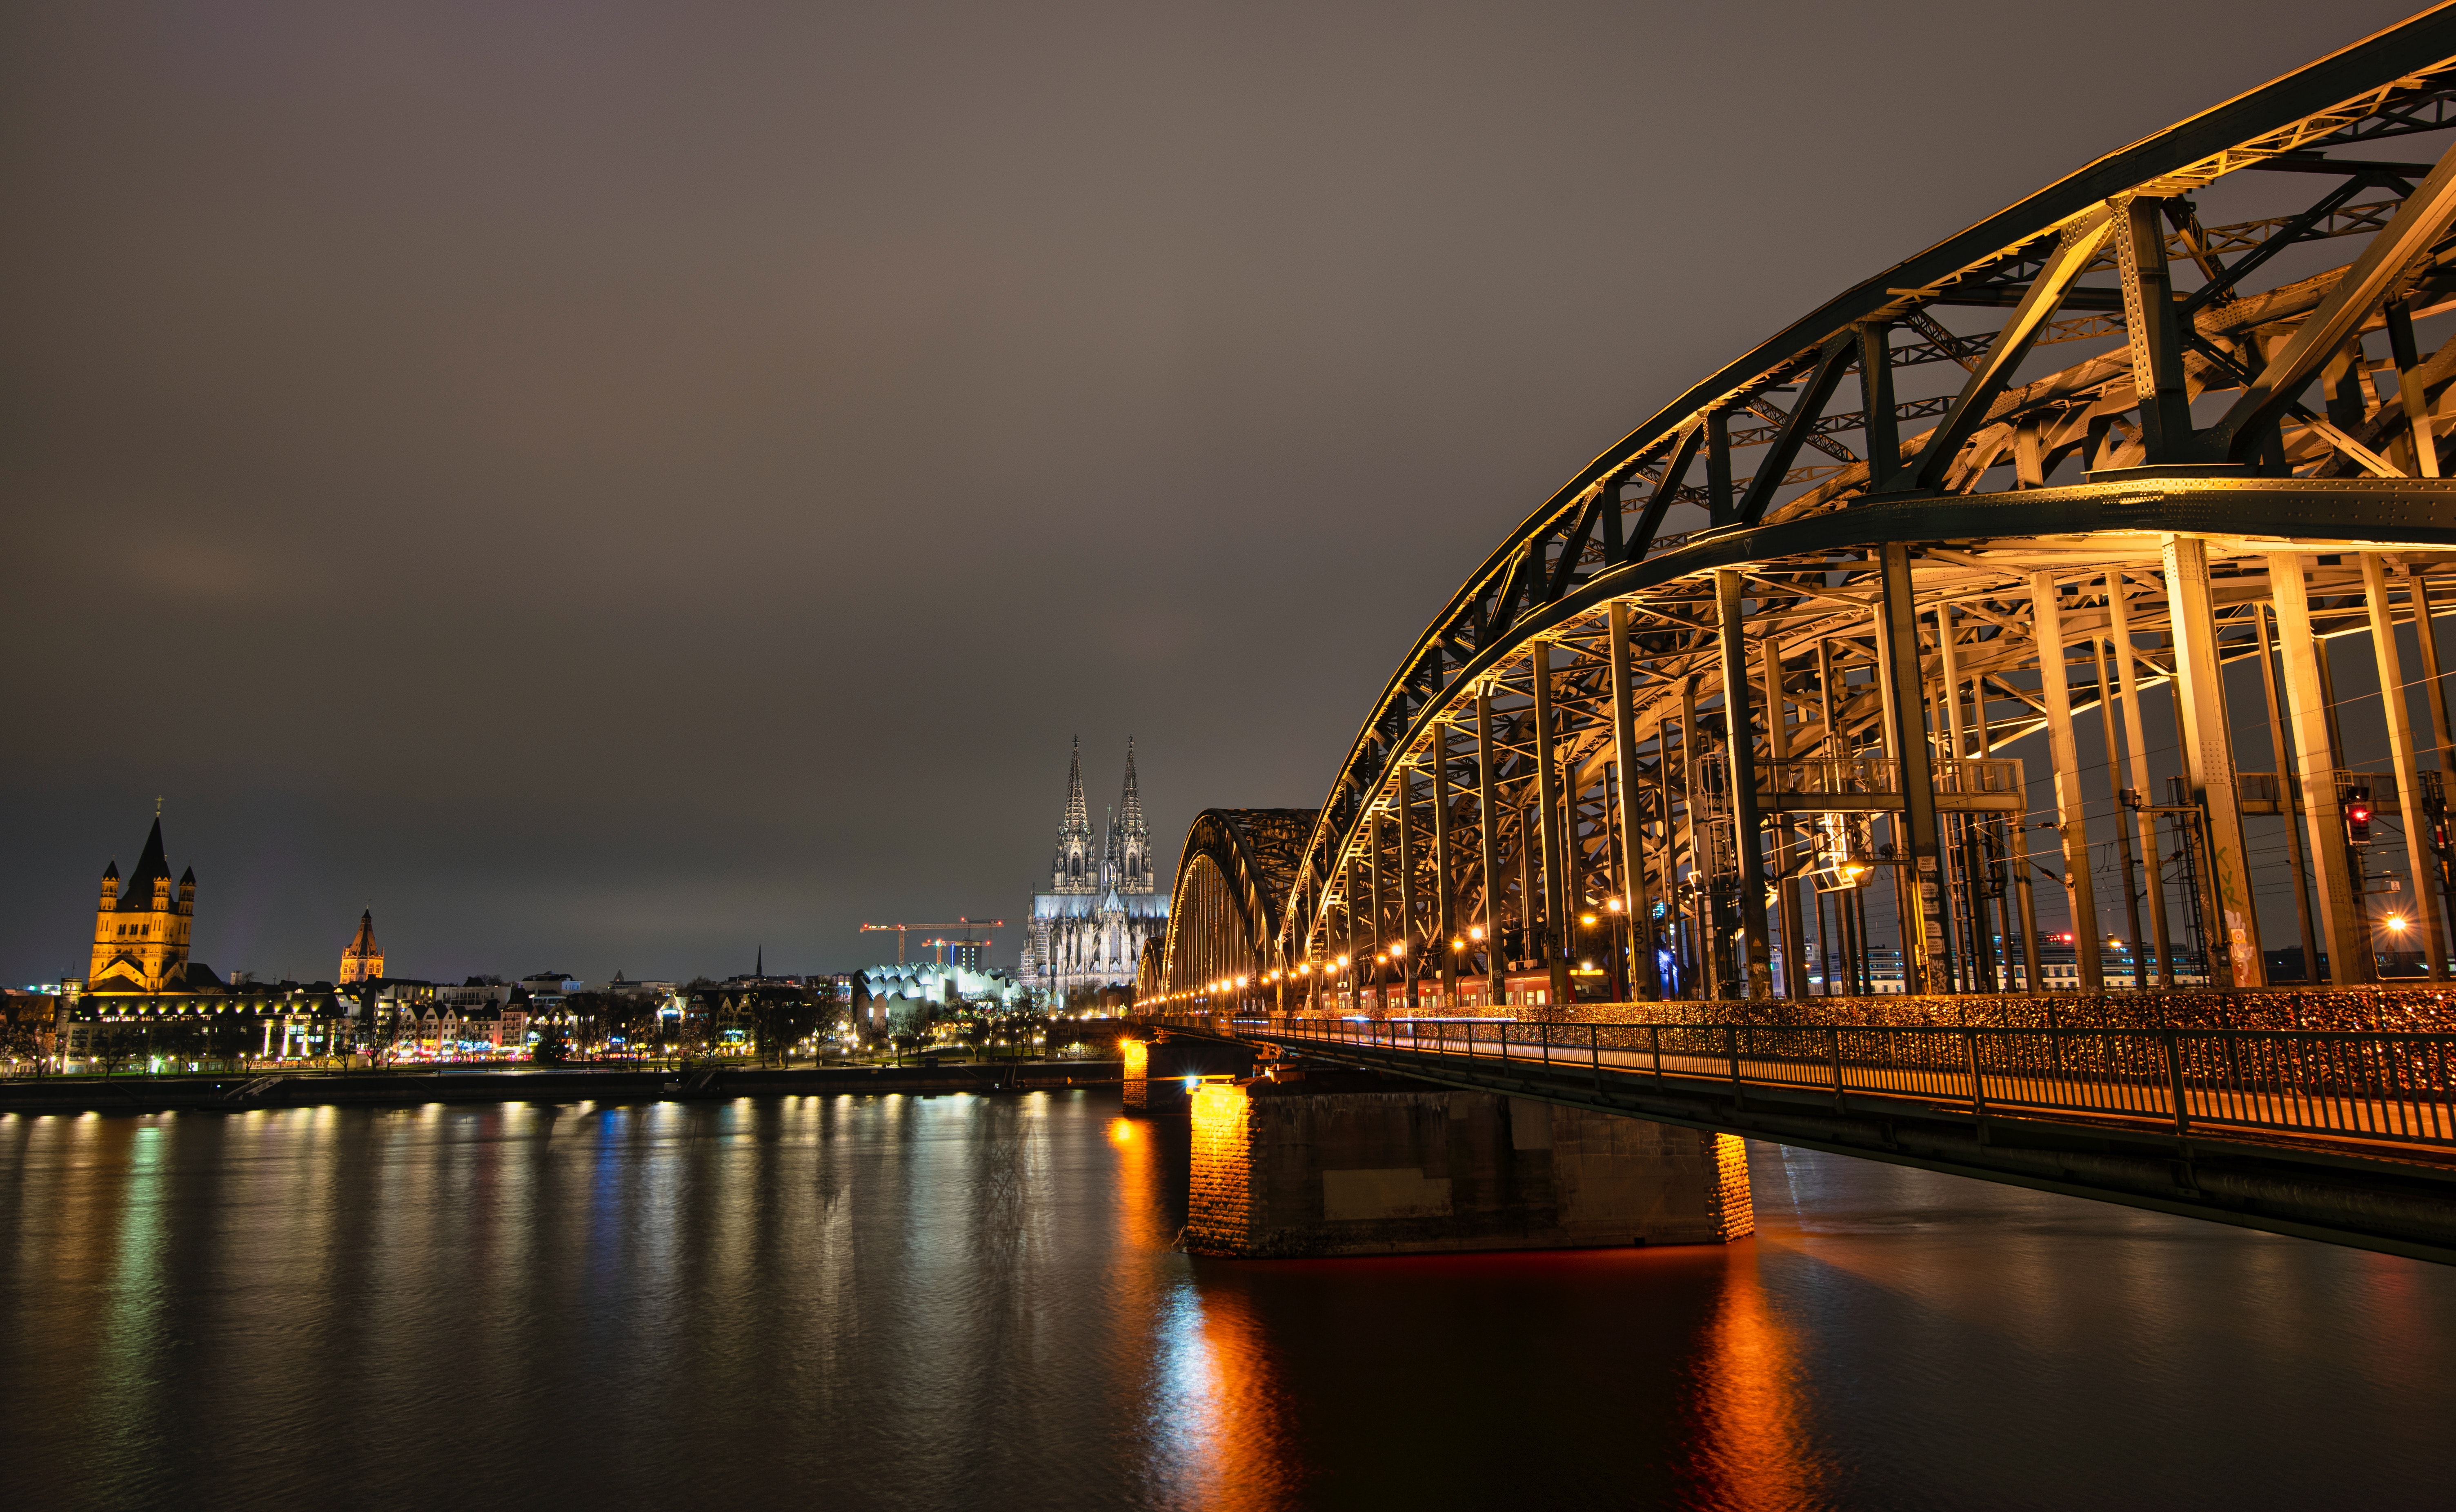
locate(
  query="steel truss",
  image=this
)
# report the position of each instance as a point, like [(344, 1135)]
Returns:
[(1617, 720)]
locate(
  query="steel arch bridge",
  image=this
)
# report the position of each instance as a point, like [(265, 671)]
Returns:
[(1742, 690), (1233, 882)]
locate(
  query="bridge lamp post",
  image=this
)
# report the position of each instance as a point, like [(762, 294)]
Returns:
[(1398, 959)]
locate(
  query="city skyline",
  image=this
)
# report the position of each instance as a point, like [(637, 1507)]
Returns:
[(632, 584)]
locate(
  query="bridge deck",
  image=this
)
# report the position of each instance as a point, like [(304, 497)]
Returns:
[(2375, 1126), (2347, 1137)]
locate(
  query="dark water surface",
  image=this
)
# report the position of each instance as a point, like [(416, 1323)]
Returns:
[(964, 1301)]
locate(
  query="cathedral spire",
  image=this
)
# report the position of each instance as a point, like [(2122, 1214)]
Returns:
[(1079, 816), (1133, 807), (1072, 871)]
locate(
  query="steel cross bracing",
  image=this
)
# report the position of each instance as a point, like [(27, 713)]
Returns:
[(2255, 394)]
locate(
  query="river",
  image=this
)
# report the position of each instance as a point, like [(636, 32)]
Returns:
[(959, 1301)]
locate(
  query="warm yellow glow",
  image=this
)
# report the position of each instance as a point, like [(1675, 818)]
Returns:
[(1242, 980), (1399, 948), (1613, 905), (1457, 945), (1306, 968), (1342, 963), (2396, 921), (1120, 1131), (1475, 932), (1586, 919)]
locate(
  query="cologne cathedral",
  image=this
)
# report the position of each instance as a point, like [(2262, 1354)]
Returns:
[(1089, 925)]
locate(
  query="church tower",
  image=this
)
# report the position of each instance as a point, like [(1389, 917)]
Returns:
[(140, 930), (1074, 870), (363, 960), (1134, 836)]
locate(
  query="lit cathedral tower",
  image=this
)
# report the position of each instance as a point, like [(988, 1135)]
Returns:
[(1089, 927), (1072, 871), (1134, 837)]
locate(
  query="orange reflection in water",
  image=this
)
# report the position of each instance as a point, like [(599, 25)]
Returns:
[(1752, 1446), (1232, 1450), (1210, 1402)]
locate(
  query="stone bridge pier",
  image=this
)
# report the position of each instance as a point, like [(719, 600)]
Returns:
[(1324, 1162), (1156, 1067)]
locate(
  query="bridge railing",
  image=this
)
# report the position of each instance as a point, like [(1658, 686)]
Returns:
[(2392, 1087)]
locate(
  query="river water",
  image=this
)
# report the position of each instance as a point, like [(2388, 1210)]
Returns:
[(957, 1301)]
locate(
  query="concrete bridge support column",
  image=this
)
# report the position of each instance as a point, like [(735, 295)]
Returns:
[(1338, 1162)]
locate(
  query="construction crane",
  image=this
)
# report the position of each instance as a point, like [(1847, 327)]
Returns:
[(968, 925)]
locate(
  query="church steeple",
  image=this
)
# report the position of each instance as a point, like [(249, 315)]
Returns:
[(1134, 836), (363, 959), (1073, 868), (141, 928), (1109, 853)]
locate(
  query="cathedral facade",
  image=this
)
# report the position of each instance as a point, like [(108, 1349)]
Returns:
[(1089, 924)]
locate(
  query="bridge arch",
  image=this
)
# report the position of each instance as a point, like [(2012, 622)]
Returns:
[(1683, 687), (1224, 917)]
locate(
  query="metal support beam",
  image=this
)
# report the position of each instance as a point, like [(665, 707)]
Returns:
[(2287, 790), (2315, 758), (1786, 888), (1883, 431), (1404, 953), (1444, 870), (2063, 760), (1547, 794), (2413, 816), (2208, 769), (1488, 828), (1926, 956), (1740, 759), (1703, 916), (2118, 607), (2418, 223), (2409, 393), (1833, 361), (2076, 247), (2157, 334), (1632, 816), (1719, 503)]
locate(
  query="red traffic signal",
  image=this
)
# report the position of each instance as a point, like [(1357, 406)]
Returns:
[(2357, 815)]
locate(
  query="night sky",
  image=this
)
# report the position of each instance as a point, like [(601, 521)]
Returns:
[(611, 487)]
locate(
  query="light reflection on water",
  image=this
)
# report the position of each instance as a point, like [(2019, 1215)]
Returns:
[(956, 1301)]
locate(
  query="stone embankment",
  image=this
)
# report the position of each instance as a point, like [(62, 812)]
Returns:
[(73, 1094)]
